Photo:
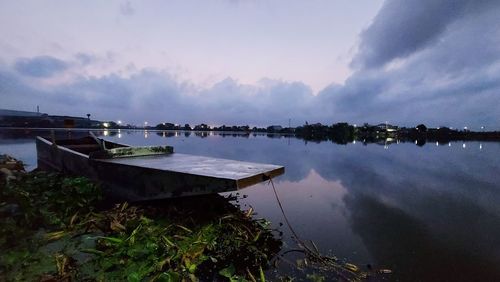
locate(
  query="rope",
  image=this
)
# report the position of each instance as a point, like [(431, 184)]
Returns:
[(300, 242), (284, 215), (330, 261)]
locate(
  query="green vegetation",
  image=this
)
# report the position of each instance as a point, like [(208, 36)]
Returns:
[(132, 152), (56, 227), (59, 228)]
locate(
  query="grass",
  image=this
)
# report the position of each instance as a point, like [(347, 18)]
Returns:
[(55, 227), (59, 228)]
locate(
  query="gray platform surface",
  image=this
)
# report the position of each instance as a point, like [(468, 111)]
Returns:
[(199, 165)]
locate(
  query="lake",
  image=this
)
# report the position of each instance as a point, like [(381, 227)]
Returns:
[(428, 213)]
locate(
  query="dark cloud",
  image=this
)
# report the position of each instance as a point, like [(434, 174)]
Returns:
[(402, 28), (42, 66), (410, 71), (158, 96), (270, 101)]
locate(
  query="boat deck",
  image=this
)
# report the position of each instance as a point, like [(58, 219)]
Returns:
[(199, 165), (150, 172)]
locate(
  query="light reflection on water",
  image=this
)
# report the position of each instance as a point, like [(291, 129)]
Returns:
[(428, 212)]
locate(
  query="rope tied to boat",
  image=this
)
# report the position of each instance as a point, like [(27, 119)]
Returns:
[(347, 271)]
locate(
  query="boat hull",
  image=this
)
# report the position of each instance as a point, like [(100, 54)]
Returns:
[(153, 177), (51, 157)]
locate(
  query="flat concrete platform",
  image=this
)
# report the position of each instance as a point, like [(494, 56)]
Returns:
[(201, 166)]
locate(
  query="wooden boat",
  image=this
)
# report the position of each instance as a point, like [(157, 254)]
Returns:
[(146, 173)]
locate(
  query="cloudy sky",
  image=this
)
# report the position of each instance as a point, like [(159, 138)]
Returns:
[(255, 62)]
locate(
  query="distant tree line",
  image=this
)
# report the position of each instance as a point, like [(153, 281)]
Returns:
[(223, 128), (343, 132)]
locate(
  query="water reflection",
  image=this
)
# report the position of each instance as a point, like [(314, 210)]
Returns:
[(413, 248), (429, 212)]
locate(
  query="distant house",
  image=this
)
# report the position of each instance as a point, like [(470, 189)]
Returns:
[(385, 127), (274, 128), (166, 126)]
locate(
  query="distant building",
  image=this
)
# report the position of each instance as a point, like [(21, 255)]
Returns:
[(274, 128), (12, 118), (166, 126), (13, 113), (385, 127)]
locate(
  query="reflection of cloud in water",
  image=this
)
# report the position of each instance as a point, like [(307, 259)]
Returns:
[(431, 215), (316, 210), (421, 210), (448, 190), (401, 242)]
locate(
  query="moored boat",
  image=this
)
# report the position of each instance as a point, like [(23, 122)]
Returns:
[(152, 172)]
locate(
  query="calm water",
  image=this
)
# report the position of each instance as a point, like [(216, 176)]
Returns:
[(428, 213)]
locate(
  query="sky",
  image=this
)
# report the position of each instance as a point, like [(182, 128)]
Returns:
[(255, 62)]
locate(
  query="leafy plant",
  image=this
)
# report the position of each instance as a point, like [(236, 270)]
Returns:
[(59, 231)]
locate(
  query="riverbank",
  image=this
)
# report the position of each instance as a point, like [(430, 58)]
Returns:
[(56, 227)]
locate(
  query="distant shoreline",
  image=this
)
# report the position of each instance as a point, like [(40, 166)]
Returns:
[(350, 134)]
